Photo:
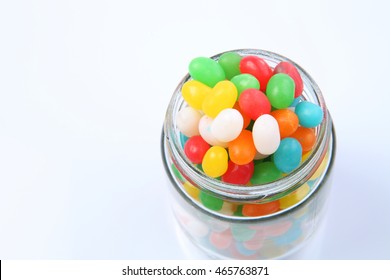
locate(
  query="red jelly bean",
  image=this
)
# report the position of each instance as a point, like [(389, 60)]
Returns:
[(195, 148), (258, 68), (238, 174), (289, 69), (254, 103)]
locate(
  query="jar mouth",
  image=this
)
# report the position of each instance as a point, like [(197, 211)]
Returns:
[(264, 192)]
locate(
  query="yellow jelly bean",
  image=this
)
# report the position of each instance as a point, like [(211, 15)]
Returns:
[(215, 161), (194, 93), (321, 168), (294, 197), (191, 190), (223, 96)]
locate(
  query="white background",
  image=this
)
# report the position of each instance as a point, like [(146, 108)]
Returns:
[(83, 90)]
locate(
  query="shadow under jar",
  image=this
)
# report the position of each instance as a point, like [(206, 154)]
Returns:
[(224, 232)]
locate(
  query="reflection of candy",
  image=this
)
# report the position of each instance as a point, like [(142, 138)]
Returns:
[(242, 232), (221, 240), (291, 236), (196, 228), (243, 250), (256, 242)]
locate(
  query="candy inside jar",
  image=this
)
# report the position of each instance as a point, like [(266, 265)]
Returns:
[(247, 138)]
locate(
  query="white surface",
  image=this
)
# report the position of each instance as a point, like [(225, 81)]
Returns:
[(83, 91)]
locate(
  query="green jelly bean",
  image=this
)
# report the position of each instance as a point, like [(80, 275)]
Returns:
[(238, 211), (177, 173), (230, 63), (280, 90), (206, 70), (242, 233), (210, 201), (265, 172), (245, 81)]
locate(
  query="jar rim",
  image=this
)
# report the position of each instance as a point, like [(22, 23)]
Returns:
[(268, 191)]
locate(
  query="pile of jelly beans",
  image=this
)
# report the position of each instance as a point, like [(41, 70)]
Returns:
[(246, 123)]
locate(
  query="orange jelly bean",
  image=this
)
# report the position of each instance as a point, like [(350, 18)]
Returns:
[(306, 137), (242, 150), (253, 210), (287, 120)]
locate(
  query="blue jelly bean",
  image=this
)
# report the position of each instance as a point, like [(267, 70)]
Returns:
[(288, 155), (309, 114), (183, 139), (296, 101)]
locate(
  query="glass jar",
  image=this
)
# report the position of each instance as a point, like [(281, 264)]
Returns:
[(210, 212)]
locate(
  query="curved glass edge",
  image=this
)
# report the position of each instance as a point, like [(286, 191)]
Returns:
[(306, 189)]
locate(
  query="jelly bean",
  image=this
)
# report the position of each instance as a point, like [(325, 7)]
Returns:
[(254, 210), (215, 161), (265, 172), (238, 211), (257, 67), (191, 190), (309, 114), (254, 103), (294, 197), (227, 209), (287, 121), (242, 232), (177, 173), (210, 201), (230, 63), (205, 131), (194, 92), (183, 139), (266, 134), (289, 69), (238, 174), (288, 155), (246, 119), (187, 121), (321, 169), (227, 125), (245, 81), (242, 150), (306, 137), (206, 71), (222, 96), (221, 240), (195, 149), (280, 91), (296, 101)]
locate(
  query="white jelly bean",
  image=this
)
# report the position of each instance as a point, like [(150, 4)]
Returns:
[(205, 131), (266, 134), (187, 121), (227, 125)]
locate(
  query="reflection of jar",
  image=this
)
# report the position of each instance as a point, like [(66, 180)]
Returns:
[(220, 228)]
